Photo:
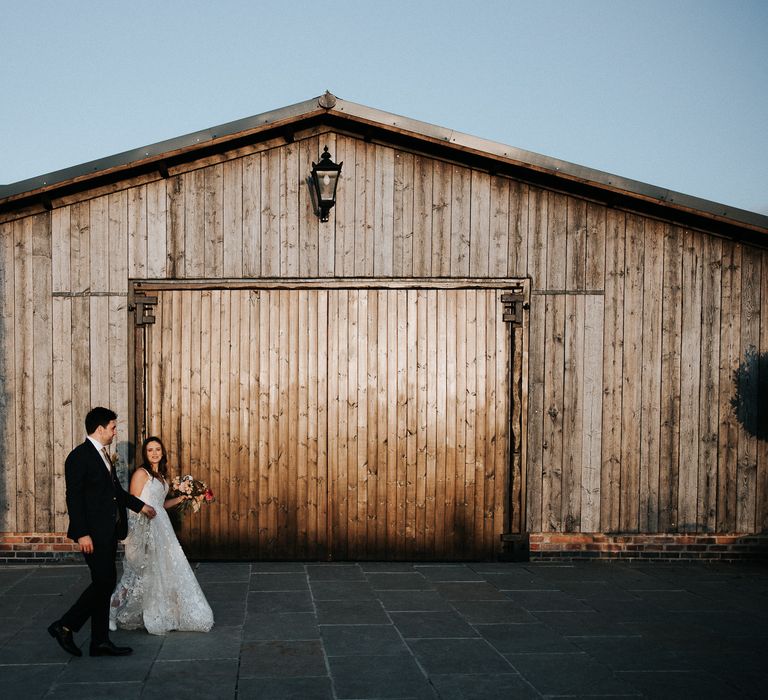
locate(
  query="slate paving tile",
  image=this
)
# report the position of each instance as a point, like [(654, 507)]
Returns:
[(282, 659), (385, 566), (28, 680), (379, 677), (222, 571), (590, 591), (219, 643), (441, 656), (492, 611), (225, 591), (482, 686), (682, 601), (398, 581), (586, 624), (569, 674), (105, 668), (412, 601), (680, 684), (278, 582), (228, 614), (213, 680), (309, 688), (633, 654), (277, 567), (525, 638), (280, 626), (458, 572), (480, 590), (125, 690), (432, 624), (519, 582), (330, 572), (274, 602), (50, 585), (626, 610), (535, 601), (362, 640), (341, 590), (340, 612)]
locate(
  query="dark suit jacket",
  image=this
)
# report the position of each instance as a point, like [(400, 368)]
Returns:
[(94, 499)]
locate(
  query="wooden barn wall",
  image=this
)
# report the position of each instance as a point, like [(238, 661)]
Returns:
[(636, 326)]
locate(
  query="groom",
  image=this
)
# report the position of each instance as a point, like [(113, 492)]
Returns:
[(96, 503)]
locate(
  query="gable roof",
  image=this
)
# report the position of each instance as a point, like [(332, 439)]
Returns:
[(396, 130)]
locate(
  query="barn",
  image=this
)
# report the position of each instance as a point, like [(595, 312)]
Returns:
[(481, 353)]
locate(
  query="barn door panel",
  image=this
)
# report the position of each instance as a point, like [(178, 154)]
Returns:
[(418, 423), (347, 423), (233, 380)]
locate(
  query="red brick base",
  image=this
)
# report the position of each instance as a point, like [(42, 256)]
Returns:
[(557, 546), (37, 548)]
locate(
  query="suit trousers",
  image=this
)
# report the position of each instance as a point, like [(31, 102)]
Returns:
[(94, 600)]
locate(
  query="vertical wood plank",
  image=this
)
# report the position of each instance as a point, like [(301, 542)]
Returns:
[(498, 250), (117, 211), (441, 219), (552, 462), (314, 252), (671, 335), (481, 417), (536, 410), (706, 506), (441, 472), (422, 216), (80, 247), (461, 517), (651, 379), (449, 424), (60, 255), (557, 241), (175, 226), (383, 217), (157, 240), (63, 436), (433, 488), (344, 264), (98, 252), (202, 222), (9, 394), (407, 337), (232, 218), (576, 244), (289, 219), (748, 396), (632, 398), (402, 215), (573, 411), (42, 371), (594, 274), (517, 265), (397, 337), (270, 213), (251, 174), (137, 232), (461, 197), (538, 216), (480, 224), (613, 358), (761, 505), (594, 312)]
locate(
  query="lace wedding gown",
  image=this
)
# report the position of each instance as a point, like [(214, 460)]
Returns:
[(158, 590)]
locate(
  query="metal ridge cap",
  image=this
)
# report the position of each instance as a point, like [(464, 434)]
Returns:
[(158, 149), (555, 166)]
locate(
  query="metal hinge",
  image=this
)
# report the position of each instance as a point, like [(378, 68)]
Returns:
[(143, 305), (514, 304)]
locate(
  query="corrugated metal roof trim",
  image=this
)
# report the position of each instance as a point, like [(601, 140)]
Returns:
[(356, 111)]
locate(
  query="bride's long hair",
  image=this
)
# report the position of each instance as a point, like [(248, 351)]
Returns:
[(162, 466)]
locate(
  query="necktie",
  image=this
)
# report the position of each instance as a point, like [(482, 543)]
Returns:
[(106, 457)]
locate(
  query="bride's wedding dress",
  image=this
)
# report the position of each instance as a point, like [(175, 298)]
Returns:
[(158, 590)]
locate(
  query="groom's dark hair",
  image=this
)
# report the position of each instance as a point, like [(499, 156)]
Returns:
[(98, 416)]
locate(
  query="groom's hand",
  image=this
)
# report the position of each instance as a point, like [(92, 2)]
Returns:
[(86, 544), (149, 511)]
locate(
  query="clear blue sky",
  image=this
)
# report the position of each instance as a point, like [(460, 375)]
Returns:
[(669, 92)]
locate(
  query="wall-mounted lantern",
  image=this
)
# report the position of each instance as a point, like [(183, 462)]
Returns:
[(325, 178)]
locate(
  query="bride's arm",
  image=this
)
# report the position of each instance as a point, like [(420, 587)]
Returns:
[(138, 480), (172, 502)]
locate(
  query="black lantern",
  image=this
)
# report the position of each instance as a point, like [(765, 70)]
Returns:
[(325, 178)]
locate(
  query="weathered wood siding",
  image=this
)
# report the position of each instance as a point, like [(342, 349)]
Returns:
[(636, 325)]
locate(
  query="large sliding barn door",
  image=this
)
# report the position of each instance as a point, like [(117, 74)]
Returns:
[(334, 423)]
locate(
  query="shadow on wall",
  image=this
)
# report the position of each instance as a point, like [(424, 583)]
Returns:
[(750, 401)]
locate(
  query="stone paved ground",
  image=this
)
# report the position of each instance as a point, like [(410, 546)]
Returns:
[(307, 631)]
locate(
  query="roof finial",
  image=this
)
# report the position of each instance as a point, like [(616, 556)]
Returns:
[(327, 100)]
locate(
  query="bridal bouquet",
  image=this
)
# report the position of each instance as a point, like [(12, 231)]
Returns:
[(197, 491)]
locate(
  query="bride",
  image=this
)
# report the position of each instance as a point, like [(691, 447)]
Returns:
[(158, 590)]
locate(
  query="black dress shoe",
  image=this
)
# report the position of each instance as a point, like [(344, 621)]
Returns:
[(109, 649), (65, 639)]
